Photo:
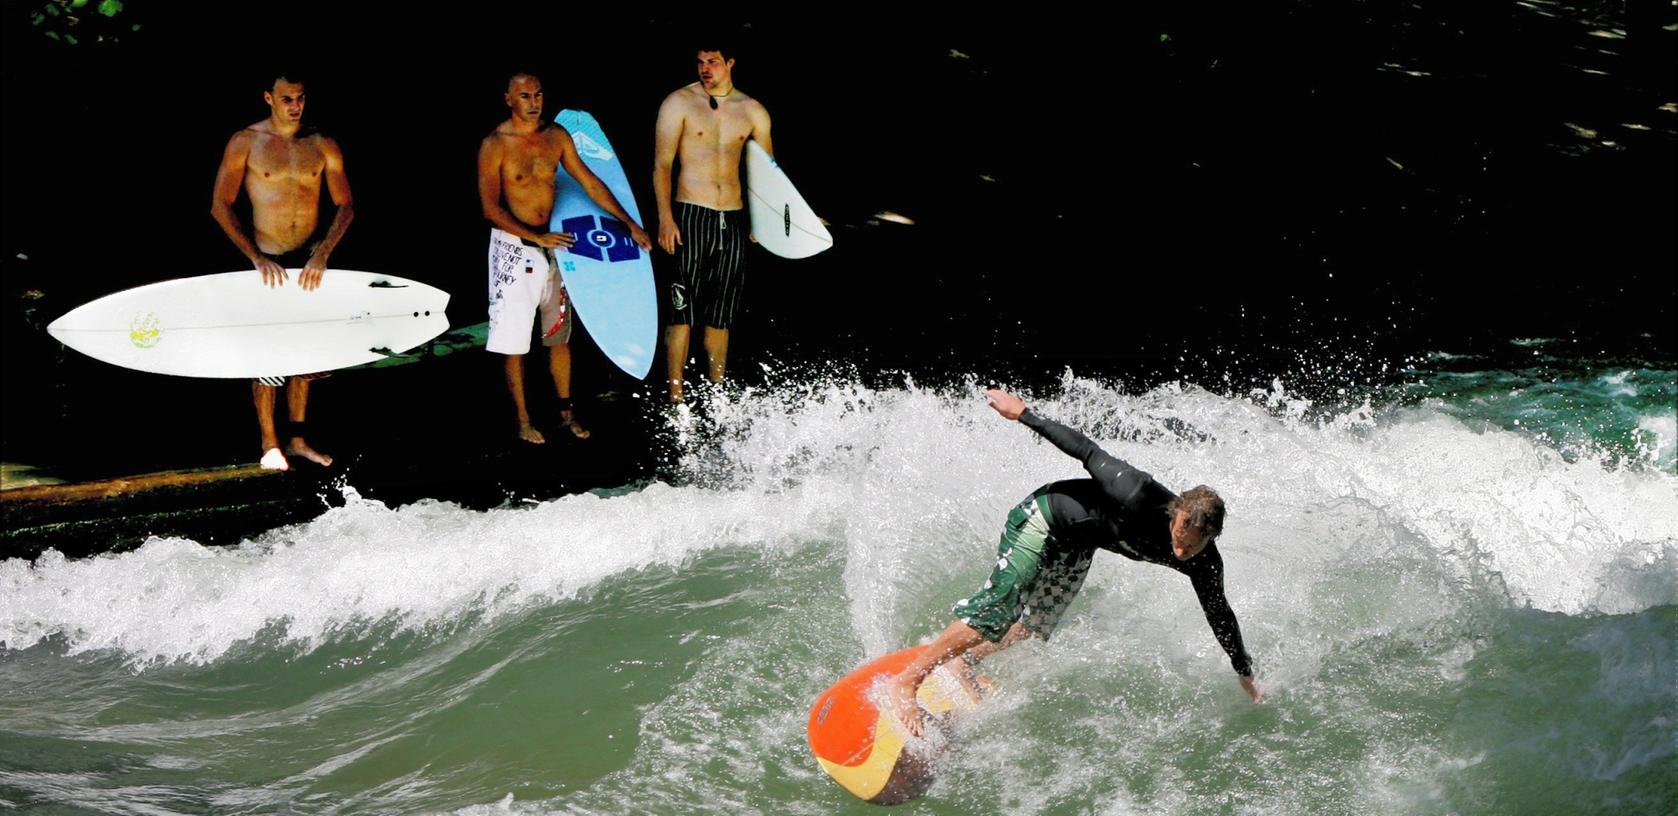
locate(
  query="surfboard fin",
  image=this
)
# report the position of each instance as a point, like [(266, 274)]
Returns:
[(385, 352), (384, 284)]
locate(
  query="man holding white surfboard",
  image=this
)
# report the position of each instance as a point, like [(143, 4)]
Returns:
[(516, 186), (281, 166), (703, 221)]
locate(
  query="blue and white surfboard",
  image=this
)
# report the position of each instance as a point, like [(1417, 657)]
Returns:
[(608, 278)]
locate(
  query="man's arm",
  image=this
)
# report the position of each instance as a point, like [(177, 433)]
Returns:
[(1120, 480), (760, 129), (337, 186), (1207, 577), (667, 138), (597, 190), (229, 176), (760, 134), (1116, 476)]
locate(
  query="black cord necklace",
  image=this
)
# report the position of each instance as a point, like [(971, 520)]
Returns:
[(715, 98)]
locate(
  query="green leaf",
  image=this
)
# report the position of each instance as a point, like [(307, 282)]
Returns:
[(70, 38), (52, 35), (110, 8), (1165, 38), (37, 18), (77, 3)]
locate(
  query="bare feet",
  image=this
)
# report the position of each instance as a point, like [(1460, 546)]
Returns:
[(969, 680), (676, 397), (272, 459), (900, 695), (568, 420), (528, 433), (300, 448)]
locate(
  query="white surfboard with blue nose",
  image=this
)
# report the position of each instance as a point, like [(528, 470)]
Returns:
[(609, 278)]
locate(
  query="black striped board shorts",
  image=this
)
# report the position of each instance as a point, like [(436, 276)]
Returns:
[(276, 382), (710, 266)]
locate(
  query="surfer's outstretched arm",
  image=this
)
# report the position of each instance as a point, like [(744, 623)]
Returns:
[(1208, 579), (1070, 442), (1118, 478)]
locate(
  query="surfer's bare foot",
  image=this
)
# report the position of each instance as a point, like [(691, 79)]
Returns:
[(272, 459), (568, 420), (900, 695), (300, 448), (970, 682), (676, 397), (528, 433)]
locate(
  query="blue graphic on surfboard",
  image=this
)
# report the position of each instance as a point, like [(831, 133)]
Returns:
[(608, 278)]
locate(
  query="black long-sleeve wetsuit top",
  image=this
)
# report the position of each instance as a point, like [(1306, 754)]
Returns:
[(1122, 509)]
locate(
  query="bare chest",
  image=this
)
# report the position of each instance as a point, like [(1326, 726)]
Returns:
[(275, 160), (528, 161), (725, 128)]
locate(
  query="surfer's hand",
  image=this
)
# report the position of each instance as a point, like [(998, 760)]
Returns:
[(1006, 404), (312, 272), (1251, 688), (272, 273), (640, 237), (556, 240), (669, 236), (751, 236)]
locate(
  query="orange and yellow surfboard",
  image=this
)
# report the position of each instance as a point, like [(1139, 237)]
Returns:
[(862, 747)]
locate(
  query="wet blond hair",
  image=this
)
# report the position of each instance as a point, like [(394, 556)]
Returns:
[(1205, 510)]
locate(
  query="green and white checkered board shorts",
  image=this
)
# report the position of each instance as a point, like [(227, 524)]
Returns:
[(1035, 578)]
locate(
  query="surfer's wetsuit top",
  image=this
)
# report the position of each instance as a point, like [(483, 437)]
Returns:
[(1048, 542)]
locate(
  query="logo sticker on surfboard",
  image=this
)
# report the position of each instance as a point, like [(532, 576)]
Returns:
[(591, 148), (603, 239), (144, 331)]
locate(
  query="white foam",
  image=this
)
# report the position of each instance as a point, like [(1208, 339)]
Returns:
[(1620, 384), (914, 484), (1657, 438), (420, 565)]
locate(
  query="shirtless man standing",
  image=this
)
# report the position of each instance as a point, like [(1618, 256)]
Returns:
[(704, 224), (280, 164), (516, 185)]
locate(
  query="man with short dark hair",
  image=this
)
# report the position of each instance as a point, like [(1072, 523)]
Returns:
[(1049, 542), (703, 221), (282, 165)]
